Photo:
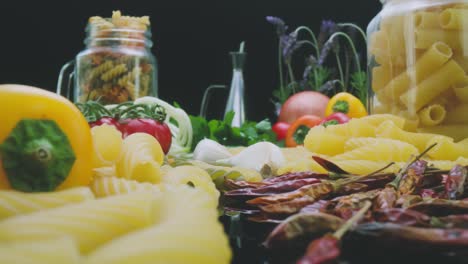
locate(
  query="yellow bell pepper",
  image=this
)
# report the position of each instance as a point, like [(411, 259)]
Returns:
[(45, 141), (346, 103)]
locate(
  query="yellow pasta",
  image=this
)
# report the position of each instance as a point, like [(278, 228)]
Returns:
[(425, 38), (457, 132), (461, 94), (107, 186), (300, 165), (104, 67), (452, 18), (107, 142), (90, 223), (386, 50), (15, 203), (389, 130), (432, 115), (192, 175), (381, 151), (376, 120), (358, 142), (458, 115), (463, 62), (426, 20), (50, 251), (382, 75), (448, 164), (447, 149), (320, 141), (141, 158), (411, 120), (188, 231), (114, 72), (432, 60), (433, 86)]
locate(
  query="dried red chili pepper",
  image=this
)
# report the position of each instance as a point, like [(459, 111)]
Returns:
[(386, 198), (413, 179), (322, 251), (300, 227), (296, 176), (234, 185), (441, 207), (272, 189), (288, 207), (451, 221), (401, 216)]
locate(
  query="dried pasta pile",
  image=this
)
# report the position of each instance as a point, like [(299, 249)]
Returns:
[(134, 211), (367, 144), (422, 69)]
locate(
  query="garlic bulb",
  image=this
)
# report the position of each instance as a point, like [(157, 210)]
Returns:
[(257, 157), (210, 151)]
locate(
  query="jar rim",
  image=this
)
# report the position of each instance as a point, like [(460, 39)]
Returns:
[(100, 32)]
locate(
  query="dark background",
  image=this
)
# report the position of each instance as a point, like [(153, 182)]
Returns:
[(192, 41)]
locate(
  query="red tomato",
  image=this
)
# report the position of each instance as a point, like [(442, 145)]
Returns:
[(280, 129), (106, 120), (303, 103), (157, 129), (299, 129)]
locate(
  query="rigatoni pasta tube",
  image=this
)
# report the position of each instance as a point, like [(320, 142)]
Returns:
[(426, 20), (383, 74), (457, 132), (452, 18), (458, 115), (461, 93), (431, 60), (386, 50), (432, 115), (431, 87), (424, 38)]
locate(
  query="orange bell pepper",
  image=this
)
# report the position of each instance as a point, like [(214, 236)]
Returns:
[(299, 129)]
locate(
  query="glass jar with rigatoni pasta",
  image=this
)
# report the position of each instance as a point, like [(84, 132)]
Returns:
[(418, 65), (117, 64)]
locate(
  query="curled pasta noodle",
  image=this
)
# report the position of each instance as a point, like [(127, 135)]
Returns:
[(15, 203), (432, 115), (114, 72), (107, 142), (141, 159), (172, 239), (381, 151), (104, 67), (90, 224), (433, 86), (192, 175), (103, 186), (45, 251)]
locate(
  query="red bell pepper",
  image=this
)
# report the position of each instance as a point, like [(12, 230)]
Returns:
[(335, 119)]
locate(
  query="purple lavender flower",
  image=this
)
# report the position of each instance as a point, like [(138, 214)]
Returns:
[(289, 44), (328, 27), (281, 27)]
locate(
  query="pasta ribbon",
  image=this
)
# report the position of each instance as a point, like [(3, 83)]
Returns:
[(141, 158)]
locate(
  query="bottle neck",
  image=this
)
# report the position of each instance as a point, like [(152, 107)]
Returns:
[(102, 35)]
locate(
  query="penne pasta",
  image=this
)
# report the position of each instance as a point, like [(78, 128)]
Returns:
[(433, 86), (461, 94), (446, 149)]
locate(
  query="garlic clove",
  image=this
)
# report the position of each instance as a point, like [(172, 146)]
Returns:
[(257, 156), (210, 151)]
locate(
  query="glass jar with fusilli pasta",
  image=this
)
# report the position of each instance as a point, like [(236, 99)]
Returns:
[(117, 64), (418, 65)]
